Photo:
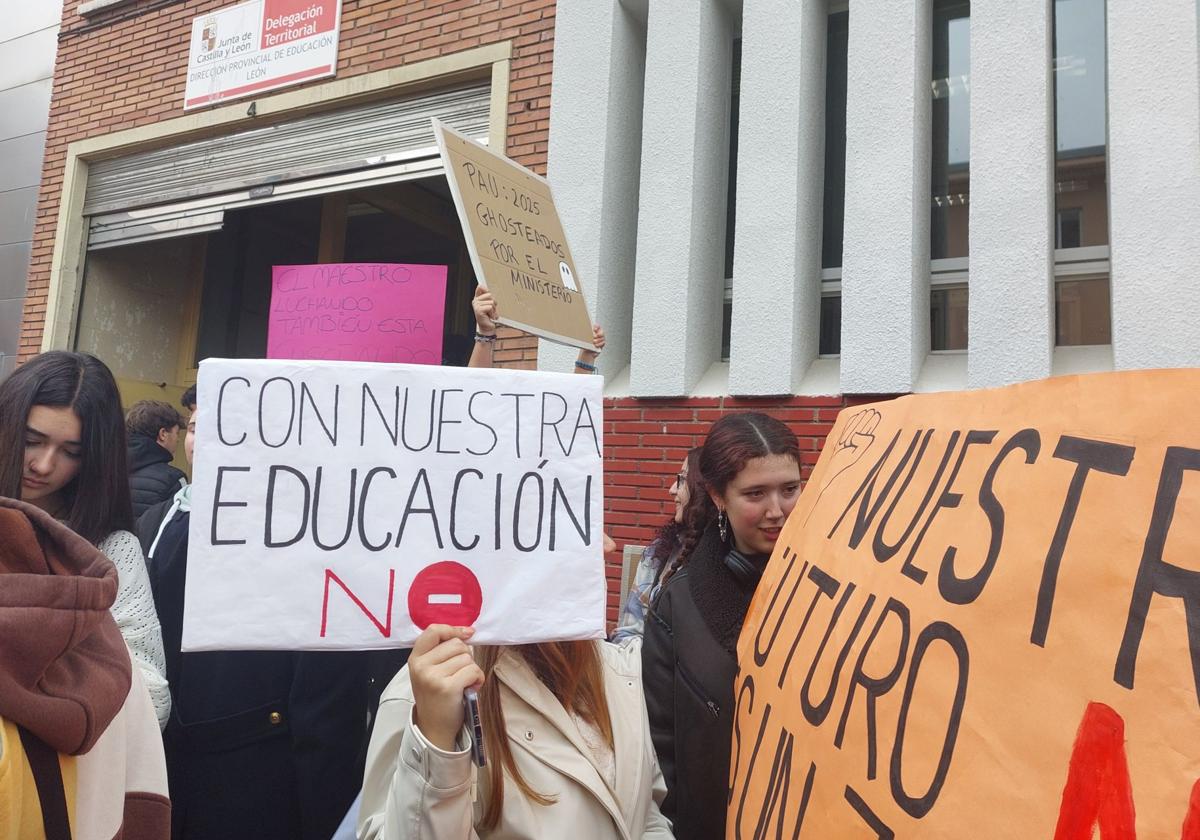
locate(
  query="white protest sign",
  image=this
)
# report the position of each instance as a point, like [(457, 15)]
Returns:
[(343, 505)]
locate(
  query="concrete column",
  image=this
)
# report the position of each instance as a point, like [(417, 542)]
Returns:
[(1011, 316), (594, 157), (777, 252), (1154, 182), (681, 220), (885, 265)]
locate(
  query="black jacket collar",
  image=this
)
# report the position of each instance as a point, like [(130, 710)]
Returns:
[(720, 596), (144, 451)]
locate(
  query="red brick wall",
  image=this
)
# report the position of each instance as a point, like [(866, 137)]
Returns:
[(127, 67), (646, 440)]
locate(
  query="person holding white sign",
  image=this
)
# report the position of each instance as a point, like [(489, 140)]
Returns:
[(565, 741)]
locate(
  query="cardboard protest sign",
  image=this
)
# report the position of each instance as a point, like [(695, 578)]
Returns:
[(357, 312), (349, 506), (982, 621), (517, 243)]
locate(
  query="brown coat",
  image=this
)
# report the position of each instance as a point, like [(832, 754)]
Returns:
[(67, 682)]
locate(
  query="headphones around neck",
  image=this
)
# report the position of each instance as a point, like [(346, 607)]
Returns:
[(744, 570)]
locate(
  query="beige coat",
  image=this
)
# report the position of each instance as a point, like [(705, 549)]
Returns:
[(414, 791)]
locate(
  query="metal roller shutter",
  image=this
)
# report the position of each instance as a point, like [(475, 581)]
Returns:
[(186, 189)]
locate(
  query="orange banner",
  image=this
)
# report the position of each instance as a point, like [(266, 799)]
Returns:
[(983, 621)]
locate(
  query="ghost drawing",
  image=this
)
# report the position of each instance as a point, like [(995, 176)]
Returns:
[(568, 279)]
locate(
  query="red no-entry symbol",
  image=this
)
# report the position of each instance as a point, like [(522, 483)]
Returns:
[(445, 593)]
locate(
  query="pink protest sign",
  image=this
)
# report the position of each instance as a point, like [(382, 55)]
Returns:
[(357, 312)]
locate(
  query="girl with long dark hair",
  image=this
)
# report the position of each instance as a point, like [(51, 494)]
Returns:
[(62, 449), (565, 738), (662, 556), (750, 481)]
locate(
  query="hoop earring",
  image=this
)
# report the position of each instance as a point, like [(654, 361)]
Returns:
[(722, 525)]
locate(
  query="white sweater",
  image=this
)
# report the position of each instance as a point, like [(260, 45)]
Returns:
[(137, 618)]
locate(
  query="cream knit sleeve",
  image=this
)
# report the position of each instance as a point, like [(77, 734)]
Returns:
[(137, 618)]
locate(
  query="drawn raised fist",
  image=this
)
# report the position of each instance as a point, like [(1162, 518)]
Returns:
[(856, 438)]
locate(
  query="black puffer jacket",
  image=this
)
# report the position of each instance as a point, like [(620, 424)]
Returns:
[(689, 664), (152, 479)]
